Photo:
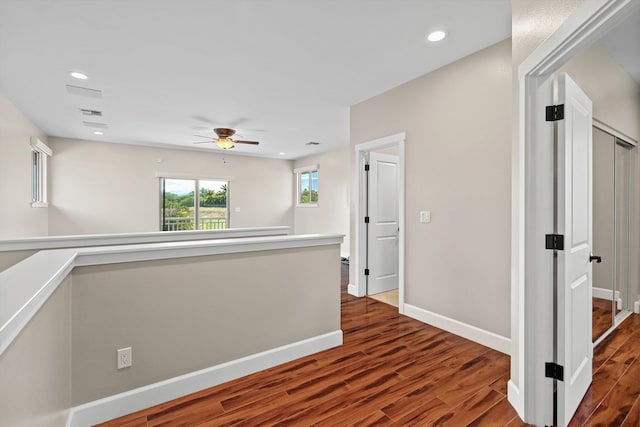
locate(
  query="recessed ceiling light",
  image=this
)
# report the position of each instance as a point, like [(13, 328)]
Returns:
[(282, 154), (97, 132), (78, 75), (436, 36)]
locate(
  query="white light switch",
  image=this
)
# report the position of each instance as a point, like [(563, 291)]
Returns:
[(237, 209), (425, 216)]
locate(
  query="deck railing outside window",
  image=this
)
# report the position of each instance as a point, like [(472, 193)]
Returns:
[(180, 224)]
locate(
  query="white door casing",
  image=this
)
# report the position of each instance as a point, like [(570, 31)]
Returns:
[(575, 222), (383, 224)]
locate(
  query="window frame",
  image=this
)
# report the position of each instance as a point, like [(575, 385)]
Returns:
[(196, 197), (299, 172), (40, 152)]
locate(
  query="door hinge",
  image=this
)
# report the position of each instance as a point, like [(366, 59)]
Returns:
[(553, 370), (366, 168), (554, 112), (554, 242), (366, 220), (366, 271)]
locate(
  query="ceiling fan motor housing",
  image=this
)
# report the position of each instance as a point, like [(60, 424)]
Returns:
[(224, 132)]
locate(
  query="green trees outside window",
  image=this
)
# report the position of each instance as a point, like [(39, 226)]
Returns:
[(308, 187), (182, 210)]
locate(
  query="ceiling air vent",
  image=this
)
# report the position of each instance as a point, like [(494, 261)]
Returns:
[(83, 91), (93, 113), (312, 143), (95, 125)]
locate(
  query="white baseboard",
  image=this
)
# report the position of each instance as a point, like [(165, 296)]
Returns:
[(352, 290), (605, 293), (130, 401), (473, 333), (515, 398), (636, 307)]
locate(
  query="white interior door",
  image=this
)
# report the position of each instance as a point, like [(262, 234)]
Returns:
[(574, 273), (383, 223)]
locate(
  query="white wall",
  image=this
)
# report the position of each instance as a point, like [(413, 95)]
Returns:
[(458, 123), (98, 187), (17, 217), (332, 213)]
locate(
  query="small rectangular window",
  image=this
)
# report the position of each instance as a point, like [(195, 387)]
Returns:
[(307, 179), (193, 204), (39, 154)]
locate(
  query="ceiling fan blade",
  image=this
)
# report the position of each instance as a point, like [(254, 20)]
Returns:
[(246, 142), (203, 142), (240, 120), (203, 120), (206, 137)]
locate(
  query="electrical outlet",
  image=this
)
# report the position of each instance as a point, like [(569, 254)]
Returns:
[(125, 359)]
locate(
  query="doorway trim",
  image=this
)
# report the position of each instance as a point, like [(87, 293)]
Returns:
[(359, 288), (532, 281), (615, 133)]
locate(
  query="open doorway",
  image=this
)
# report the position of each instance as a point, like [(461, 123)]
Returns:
[(379, 245), (539, 369), (381, 224)]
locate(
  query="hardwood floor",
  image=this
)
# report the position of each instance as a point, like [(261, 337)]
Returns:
[(602, 317), (613, 399), (396, 371)]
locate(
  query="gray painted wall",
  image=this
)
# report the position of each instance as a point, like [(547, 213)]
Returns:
[(16, 130), (100, 187), (35, 370), (187, 314), (332, 213), (457, 121)]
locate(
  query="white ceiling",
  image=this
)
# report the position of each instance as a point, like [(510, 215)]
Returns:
[(281, 71), (623, 44)]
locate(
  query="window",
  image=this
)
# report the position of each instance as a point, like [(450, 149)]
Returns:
[(307, 193), (193, 204), (39, 154)]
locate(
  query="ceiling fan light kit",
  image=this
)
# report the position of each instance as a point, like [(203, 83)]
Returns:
[(225, 143)]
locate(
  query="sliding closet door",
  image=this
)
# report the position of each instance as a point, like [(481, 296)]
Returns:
[(622, 154), (603, 230)]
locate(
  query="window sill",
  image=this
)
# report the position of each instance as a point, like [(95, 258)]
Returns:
[(307, 205), (39, 205)]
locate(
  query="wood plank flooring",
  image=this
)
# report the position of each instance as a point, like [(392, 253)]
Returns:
[(602, 317), (613, 399), (396, 371)]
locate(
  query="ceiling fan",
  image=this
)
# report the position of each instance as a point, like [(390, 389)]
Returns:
[(224, 140)]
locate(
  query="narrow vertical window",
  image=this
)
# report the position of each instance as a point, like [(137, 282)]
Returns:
[(35, 155), (39, 154), (307, 183)]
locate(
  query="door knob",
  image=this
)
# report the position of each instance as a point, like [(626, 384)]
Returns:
[(595, 258)]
